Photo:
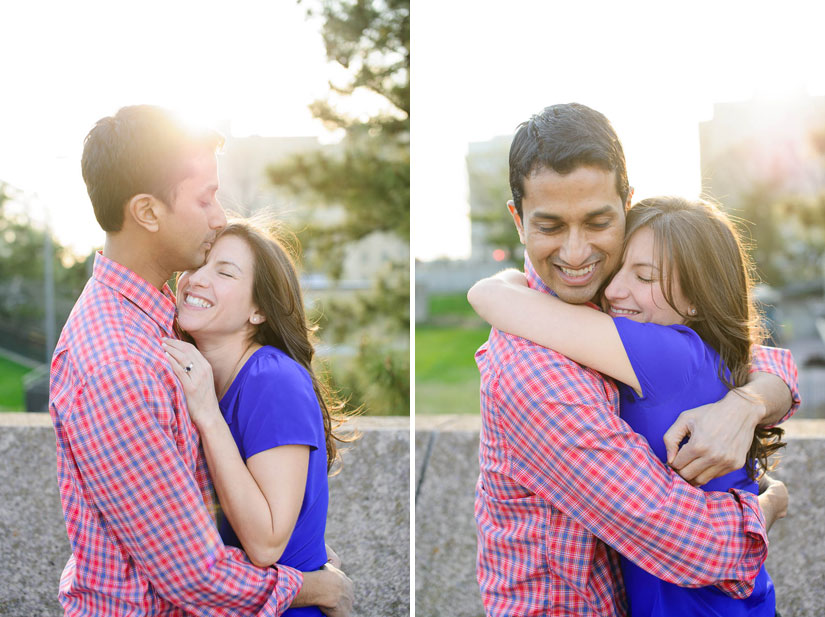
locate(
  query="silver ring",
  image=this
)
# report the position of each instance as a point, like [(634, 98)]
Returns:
[(188, 367)]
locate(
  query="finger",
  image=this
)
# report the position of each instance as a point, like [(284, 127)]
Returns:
[(686, 455), (713, 472), (177, 344), (177, 369), (694, 471), (333, 557), (673, 437), (176, 354)]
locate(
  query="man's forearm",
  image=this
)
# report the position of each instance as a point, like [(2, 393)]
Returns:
[(772, 396)]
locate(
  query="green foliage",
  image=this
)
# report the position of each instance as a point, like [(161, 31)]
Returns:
[(489, 193), (359, 189), (22, 277)]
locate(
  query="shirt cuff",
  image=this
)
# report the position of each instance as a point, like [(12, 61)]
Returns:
[(756, 552), (288, 585), (779, 362)]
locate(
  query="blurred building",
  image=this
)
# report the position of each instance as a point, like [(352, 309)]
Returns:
[(488, 180), (246, 189), (764, 143)]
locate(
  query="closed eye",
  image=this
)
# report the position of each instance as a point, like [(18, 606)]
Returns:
[(600, 225)]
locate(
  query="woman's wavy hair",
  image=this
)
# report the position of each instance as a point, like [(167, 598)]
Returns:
[(698, 245), (276, 291)]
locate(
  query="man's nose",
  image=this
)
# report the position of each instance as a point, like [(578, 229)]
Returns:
[(576, 249), (218, 218)]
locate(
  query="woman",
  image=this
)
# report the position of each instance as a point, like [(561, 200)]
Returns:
[(269, 442), (677, 335)]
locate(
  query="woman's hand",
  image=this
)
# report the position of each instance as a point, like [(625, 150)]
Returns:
[(195, 375), (773, 499)]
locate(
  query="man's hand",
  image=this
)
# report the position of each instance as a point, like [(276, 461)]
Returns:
[(329, 589), (773, 499), (343, 596), (720, 436), (332, 557)]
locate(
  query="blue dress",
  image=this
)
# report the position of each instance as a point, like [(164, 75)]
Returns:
[(272, 403), (677, 370)]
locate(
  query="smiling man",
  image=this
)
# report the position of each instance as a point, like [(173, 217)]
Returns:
[(136, 494), (557, 463)]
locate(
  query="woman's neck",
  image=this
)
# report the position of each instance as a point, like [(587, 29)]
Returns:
[(226, 355)]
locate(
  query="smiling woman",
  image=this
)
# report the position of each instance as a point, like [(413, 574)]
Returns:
[(264, 418)]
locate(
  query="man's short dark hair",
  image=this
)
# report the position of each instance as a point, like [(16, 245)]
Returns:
[(564, 138), (141, 149)]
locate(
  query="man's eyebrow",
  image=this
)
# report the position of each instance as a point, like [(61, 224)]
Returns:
[(547, 216)]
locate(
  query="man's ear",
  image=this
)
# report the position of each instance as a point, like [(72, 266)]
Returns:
[(516, 219), (629, 200), (144, 209)]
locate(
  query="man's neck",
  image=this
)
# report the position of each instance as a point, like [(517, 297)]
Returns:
[(136, 256)]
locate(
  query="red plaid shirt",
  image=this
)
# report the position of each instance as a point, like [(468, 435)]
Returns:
[(564, 479), (136, 492)]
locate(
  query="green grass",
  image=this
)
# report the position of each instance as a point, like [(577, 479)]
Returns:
[(446, 377), (11, 385), (451, 304)]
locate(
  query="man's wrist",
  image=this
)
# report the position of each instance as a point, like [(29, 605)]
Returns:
[(753, 404), (317, 589)]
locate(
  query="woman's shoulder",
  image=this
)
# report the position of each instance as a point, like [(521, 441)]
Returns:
[(657, 334), (268, 362)]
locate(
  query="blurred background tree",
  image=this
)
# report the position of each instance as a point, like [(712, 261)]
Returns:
[(489, 193), (788, 235), (361, 189), (22, 259)]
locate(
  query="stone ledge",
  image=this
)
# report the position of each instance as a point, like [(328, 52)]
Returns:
[(368, 524), (446, 455)]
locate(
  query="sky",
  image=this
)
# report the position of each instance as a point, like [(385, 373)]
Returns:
[(257, 64), (655, 69), (479, 68)]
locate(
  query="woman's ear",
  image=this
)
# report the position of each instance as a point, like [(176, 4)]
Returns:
[(257, 318)]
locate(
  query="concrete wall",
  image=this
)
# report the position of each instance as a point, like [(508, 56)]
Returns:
[(446, 470), (368, 525)]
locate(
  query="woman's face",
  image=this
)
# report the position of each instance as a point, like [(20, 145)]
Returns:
[(216, 299), (636, 289)]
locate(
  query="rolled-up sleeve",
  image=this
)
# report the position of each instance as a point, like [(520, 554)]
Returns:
[(779, 362)]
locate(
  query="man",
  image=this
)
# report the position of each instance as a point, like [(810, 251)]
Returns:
[(136, 494), (563, 479)]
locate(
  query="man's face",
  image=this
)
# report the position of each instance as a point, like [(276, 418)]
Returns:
[(573, 228), (193, 220)]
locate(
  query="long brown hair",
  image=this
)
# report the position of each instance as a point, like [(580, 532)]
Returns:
[(276, 292), (699, 244)]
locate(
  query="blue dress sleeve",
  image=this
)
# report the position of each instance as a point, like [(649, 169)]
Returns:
[(664, 358), (277, 406)]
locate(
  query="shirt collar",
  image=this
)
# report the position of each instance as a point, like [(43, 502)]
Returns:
[(534, 281), (159, 305)]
